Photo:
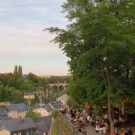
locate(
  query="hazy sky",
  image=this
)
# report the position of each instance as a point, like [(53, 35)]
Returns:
[(22, 40)]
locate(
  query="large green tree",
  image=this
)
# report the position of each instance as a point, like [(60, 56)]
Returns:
[(5, 77), (100, 43), (1, 92), (20, 71)]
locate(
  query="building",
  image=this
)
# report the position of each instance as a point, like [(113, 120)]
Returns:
[(43, 126), (17, 127), (4, 103), (16, 110), (43, 109), (29, 95), (3, 113), (55, 105), (63, 99), (48, 109)]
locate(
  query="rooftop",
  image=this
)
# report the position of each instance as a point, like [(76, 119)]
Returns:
[(48, 108), (44, 124), (20, 106), (2, 110), (17, 124), (55, 104)]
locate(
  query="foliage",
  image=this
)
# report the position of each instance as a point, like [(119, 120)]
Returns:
[(17, 71), (97, 112), (60, 79), (33, 115), (12, 95), (72, 103), (13, 86), (1, 92), (32, 77), (53, 128), (101, 46), (54, 113), (34, 101), (4, 78)]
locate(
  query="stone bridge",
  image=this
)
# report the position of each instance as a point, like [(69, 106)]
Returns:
[(58, 86)]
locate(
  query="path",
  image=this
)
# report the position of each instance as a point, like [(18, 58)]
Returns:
[(89, 129)]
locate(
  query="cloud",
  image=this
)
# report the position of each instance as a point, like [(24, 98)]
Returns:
[(22, 39), (30, 46), (26, 39)]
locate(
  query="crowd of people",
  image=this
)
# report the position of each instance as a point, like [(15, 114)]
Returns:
[(80, 118), (77, 119)]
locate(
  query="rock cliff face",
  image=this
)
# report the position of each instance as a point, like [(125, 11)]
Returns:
[(62, 126)]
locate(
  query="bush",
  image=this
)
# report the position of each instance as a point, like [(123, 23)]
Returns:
[(54, 113)]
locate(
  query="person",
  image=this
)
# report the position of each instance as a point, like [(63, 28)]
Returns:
[(126, 132), (97, 128), (129, 131), (88, 119), (116, 131), (112, 133)]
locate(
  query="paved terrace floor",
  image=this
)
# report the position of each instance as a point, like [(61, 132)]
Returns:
[(89, 129)]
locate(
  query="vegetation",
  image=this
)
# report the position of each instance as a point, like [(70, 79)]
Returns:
[(54, 113), (57, 79), (53, 128), (61, 125), (13, 85), (101, 46), (33, 115)]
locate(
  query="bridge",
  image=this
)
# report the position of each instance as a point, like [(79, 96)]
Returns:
[(58, 86)]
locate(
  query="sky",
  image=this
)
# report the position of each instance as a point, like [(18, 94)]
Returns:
[(23, 41)]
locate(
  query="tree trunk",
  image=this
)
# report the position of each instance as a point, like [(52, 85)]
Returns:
[(109, 90), (123, 108), (110, 108), (110, 115)]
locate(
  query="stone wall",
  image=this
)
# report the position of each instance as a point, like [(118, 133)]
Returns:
[(63, 126)]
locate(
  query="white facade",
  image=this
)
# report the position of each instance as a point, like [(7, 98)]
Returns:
[(17, 114), (42, 111), (63, 99), (29, 95), (4, 132)]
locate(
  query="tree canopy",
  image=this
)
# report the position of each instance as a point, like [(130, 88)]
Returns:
[(100, 43), (13, 85)]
